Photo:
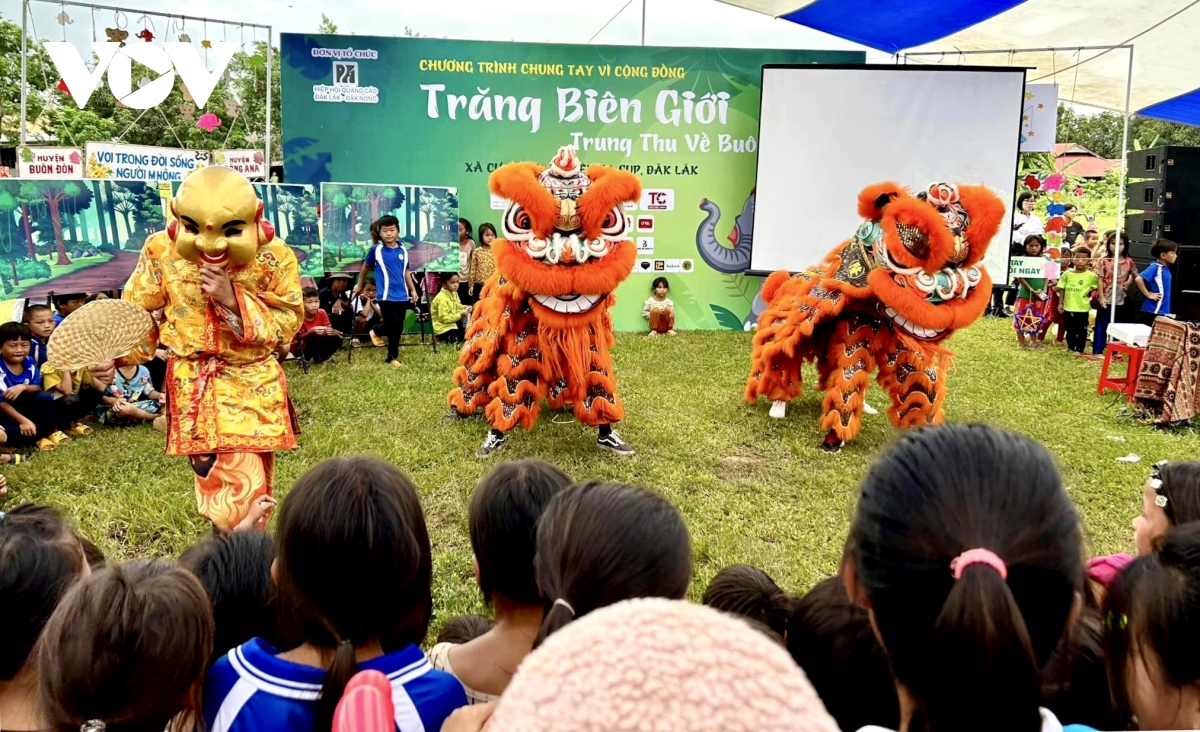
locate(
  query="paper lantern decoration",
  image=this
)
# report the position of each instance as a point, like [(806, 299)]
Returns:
[(1032, 183), (206, 43), (208, 122), (62, 87), (253, 139), (146, 35), (1079, 192), (64, 19), (1057, 197), (76, 158), (1029, 320), (1054, 182), (185, 38), (187, 111), (116, 35), (1056, 209), (232, 108)]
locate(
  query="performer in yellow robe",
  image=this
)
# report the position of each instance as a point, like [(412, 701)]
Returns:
[(230, 295)]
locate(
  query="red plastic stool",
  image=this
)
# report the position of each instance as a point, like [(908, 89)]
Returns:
[(1128, 383)]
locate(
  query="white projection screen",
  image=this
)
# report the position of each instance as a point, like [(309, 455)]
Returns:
[(827, 132)]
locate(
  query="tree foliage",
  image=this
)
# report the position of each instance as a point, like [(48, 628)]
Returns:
[(1101, 133)]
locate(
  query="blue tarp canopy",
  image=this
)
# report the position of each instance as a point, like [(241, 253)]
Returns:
[(1166, 57)]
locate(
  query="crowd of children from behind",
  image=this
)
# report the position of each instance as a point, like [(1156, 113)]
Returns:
[(1086, 284), (963, 601)]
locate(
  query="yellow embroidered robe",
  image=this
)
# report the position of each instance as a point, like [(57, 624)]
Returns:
[(226, 391)]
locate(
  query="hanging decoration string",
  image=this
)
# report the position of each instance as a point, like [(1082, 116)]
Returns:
[(62, 125)]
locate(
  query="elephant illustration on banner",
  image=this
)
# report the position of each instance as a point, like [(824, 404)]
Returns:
[(730, 260)]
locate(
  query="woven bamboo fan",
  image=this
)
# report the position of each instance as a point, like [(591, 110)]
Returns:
[(97, 333)]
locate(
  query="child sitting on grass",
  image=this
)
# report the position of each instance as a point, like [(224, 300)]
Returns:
[(448, 312), (40, 319), (27, 412), (317, 340), (77, 399), (130, 399), (659, 309)]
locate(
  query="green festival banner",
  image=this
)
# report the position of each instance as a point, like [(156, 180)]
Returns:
[(447, 113)]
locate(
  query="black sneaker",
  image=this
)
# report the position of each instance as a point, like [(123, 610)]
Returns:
[(491, 443), (612, 441), (832, 444), (453, 415)]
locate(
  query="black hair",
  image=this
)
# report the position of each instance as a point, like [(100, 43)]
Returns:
[(968, 650), (61, 300), (600, 543), (1075, 679), (503, 520), (1070, 207), (33, 310), (1153, 610), (310, 291), (14, 331), (659, 281), (1081, 250), (487, 227), (1023, 198), (1034, 237), (39, 560), (92, 553), (1163, 246), (466, 226), (463, 629), (748, 591), (382, 221), (129, 647), (449, 276), (235, 571), (353, 565), (831, 638), (1181, 487)]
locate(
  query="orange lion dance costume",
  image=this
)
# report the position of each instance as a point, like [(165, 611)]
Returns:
[(230, 295), (885, 300), (542, 328)]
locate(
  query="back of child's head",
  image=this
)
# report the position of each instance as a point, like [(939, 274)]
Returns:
[(39, 560), (968, 550), (831, 638), (463, 629), (503, 520), (14, 331), (32, 311), (353, 565), (659, 281), (127, 647), (93, 554), (1163, 246), (310, 291), (748, 591), (1075, 679), (235, 571), (600, 543)]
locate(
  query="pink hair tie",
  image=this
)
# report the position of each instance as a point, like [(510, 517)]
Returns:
[(978, 556)]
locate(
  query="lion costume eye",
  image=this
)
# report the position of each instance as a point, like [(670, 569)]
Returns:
[(614, 226), (914, 240), (517, 224)]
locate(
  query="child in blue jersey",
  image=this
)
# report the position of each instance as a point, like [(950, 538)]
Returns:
[(27, 412), (40, 319), (397, 289), (1155, 281), (353, 570)]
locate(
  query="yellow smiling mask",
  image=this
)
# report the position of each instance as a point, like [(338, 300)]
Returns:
[(218, 219)]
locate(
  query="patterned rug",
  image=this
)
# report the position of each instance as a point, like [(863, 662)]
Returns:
[(1167, 382)]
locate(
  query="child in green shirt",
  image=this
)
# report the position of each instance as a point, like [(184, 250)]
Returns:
[(1077, 287), (448, 312)]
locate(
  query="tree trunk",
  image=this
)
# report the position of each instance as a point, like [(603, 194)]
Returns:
[(28, 230), (353, 223), (16, 280), (52, 201), (112, 217), (98, 204)]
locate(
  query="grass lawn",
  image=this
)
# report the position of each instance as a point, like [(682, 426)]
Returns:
[(752, 489)]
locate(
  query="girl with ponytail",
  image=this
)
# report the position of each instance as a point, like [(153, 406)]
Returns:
[(966, 552), (353, 570), (600, 543)]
